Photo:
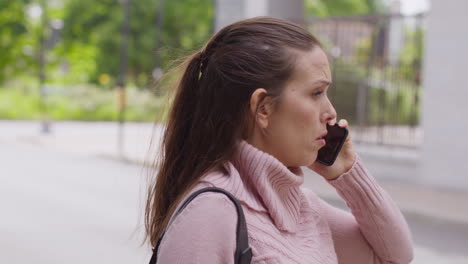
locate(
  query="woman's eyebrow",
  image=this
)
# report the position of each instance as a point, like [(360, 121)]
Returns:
[(321, 82)]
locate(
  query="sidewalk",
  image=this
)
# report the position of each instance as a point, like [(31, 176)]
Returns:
[(392, 167)]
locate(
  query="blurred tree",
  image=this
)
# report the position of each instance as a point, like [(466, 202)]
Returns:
[(91, 37), (97, 24), (15, 49), (324, 8)]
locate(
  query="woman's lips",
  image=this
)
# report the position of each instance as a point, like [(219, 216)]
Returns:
[(322, 141)]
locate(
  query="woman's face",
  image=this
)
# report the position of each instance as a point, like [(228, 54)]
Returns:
[(299, 120)]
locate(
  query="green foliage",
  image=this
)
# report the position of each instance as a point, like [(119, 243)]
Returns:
[(98, 24), (394, 107), (15, 47), (324, 8), (390, 102), (89, 52), (81, 64), (16, 104), (86, 103), (411, 55), (91, 38)]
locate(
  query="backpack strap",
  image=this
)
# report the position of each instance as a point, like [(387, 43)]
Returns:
[(243, 253)]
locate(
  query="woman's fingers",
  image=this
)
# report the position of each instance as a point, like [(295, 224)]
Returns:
[(343, 123)]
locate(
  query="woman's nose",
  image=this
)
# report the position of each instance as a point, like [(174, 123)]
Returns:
[(329, 113)]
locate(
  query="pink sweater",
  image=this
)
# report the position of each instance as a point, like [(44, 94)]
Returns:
[(287, 223)]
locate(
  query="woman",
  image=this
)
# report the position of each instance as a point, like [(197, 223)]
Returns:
[(250, 109)]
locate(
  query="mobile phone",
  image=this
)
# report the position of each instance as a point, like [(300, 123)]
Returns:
[(334, 139)]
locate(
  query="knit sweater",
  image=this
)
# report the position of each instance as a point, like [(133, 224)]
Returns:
[(287, 223)]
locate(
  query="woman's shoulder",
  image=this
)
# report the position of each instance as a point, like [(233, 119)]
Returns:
[(207, 206), (204, 203), (208, 211), (208, 222)]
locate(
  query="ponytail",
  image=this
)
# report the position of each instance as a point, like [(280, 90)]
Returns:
[(179, 167)]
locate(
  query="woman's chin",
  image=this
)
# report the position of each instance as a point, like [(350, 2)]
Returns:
[(311, 158), (306, 159)]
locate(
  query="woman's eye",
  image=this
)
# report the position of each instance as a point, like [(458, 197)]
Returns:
[(318, 93)]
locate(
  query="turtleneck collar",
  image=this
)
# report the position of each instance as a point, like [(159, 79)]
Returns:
[(263, 183)]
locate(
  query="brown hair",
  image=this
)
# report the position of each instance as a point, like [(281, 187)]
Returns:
[(209, 113)]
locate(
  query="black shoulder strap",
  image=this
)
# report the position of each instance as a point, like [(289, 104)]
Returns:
[(243, 254)]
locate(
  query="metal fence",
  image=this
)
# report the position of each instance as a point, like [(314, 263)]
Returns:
[(376, 66)]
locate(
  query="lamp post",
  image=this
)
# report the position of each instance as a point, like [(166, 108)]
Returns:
[(157, 72), (46, 42), (45, 126), (121, 79)]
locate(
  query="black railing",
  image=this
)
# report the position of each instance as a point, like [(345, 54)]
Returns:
[(376, 65)]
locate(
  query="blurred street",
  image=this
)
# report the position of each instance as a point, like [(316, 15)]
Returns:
[(63, 208), (85, 206)]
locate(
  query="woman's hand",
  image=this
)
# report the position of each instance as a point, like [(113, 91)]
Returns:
[(344, 161)]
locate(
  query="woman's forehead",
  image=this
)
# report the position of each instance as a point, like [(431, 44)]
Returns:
[(312, 68)]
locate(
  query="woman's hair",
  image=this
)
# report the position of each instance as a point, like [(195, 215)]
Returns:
[(210, 110)]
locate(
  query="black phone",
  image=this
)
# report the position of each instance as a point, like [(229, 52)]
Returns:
[(334, 139)]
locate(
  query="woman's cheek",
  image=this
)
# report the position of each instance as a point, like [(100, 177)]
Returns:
[(306, 118)]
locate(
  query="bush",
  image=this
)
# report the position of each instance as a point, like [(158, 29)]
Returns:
[(85, 103), (15, 104)]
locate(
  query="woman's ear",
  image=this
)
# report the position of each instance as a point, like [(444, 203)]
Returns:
[(260, 99)]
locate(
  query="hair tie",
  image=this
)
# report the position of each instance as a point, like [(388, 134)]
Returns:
[(203, 62)]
